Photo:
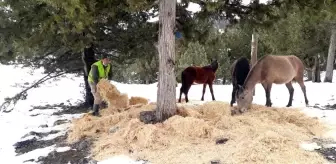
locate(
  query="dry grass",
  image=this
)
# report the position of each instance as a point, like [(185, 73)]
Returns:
[(112, 95), (261, 135), (138, 100)]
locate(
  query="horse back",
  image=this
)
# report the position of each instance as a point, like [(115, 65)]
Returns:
[(280, 69), (239, 70), (200, 74)]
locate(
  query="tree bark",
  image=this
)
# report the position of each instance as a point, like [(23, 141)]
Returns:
[(309, 75), (254, 51), (88, 59), (331, 54), (316, 70), (166, 94), (224, 80)]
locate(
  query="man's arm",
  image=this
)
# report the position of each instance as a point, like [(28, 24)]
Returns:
[(95, 73)]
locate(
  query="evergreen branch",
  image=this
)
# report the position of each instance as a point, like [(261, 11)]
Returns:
[(23, 94)]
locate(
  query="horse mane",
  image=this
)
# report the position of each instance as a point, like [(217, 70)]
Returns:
[(240, 69), (252, 70)]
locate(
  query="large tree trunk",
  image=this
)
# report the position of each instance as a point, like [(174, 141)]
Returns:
[(88, 59), (254, 49), (316, 78), (166, 94), (331, 54)]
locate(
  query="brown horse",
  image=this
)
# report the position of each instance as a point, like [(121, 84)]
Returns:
[(201, 75), (268, 70)]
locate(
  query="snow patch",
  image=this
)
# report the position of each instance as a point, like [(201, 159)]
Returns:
[(310, 146)]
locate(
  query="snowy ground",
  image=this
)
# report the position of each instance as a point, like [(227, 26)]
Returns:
[(67, 90)]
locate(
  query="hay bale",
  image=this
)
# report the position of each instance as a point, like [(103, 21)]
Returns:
[(111, 94), (261, 135), (134, 100)]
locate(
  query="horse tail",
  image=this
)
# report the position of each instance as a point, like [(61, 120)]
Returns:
[(183, 80)]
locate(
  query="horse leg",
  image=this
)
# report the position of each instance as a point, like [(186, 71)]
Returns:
[(186, 90), (291, 92), (233, 96), (267, 88), (181, 90), (303, 88), (211, 90), (204, 87)]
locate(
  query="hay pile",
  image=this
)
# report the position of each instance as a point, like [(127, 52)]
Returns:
[(261, 135), (138, 100), (111, 94)]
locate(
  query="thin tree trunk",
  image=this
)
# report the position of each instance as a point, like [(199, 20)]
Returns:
[(254, 51), (166, 94), (88, 59), (316, 70), (309, 75), (331, 54), (224, 80)]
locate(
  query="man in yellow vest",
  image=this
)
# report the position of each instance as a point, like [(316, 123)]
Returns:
[(99, 70)]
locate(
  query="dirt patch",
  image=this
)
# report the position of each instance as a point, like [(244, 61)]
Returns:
[(327, 148), (66, 109), (328, 153), (78, 109), (40, 134), (26, 146), (325, 107), (77, 154), (331, 107), (60, 122)]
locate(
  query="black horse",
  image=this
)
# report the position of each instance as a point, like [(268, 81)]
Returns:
[(239, 71)]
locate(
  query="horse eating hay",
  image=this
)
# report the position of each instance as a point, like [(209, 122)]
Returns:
[(272, 69), (201, 75), (239, 71)]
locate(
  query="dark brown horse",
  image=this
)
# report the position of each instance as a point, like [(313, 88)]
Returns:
[(268, 70), (200, 75), (239, 71)]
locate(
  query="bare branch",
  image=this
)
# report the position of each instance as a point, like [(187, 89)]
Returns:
[(23, 94)]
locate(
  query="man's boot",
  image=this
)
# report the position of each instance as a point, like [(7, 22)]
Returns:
[(95, 109)]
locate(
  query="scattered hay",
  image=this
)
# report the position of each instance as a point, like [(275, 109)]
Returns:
[(138, 100), (111, 94), (261, 135)]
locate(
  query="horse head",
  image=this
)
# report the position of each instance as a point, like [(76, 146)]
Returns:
[(244, 98), (214, 64)]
